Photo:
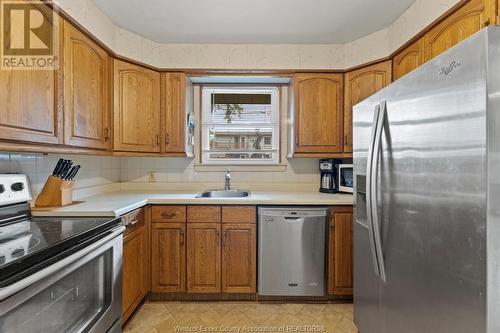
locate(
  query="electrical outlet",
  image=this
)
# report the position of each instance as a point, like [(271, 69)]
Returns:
[(151, 177)]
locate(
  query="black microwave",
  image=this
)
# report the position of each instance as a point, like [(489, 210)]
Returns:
[(345, 178)]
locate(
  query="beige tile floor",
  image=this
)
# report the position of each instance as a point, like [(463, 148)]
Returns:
[(240, 317)]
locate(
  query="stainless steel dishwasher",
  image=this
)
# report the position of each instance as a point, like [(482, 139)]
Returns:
[(292, 251)]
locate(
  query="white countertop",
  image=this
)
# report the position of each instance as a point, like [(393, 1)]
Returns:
[(121, 202)]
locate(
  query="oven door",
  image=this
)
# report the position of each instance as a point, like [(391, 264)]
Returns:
[(80, 293)]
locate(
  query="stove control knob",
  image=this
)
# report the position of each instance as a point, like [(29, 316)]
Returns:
[(2, 188), (16, 187)]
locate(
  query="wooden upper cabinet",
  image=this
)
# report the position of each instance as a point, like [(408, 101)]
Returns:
[(239, 258), (463, 23), (408, 59), (340, 255), (359, 85), (86, 91), (136, 108), (31, 104), (203, 258), (173, 99), (318, 101), (168, 249)]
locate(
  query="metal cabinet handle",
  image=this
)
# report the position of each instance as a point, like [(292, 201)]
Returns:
[(106, 134), (224, 241), (346, 140), (369, 191), (376, 155), (217, 235), (167, 139), (182, 238), (131, 223), (157, 139), (168, 215)]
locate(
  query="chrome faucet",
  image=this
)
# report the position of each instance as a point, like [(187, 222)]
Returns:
[(227, 180)]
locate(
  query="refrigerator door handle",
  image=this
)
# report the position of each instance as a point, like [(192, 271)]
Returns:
[(369, 166), (373, 188)]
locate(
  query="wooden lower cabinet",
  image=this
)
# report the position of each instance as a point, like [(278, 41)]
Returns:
[(203, 258), (239, 258), (340, 252), (168, 249), (135, 269)]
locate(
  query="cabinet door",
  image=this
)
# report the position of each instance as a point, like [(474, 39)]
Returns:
[(31, 104), (203, 258), (174, 89), (359, 85), (168, 269), (340, 254), (408, 59), (134, 270), (318, 113), (86, 91), (136, 108), (238, 258), (461, 24)]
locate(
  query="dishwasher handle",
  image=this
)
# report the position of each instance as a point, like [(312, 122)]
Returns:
[(293, 219)]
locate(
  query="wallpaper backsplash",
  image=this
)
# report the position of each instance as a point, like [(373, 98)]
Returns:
[(300, 174), (95, 171)]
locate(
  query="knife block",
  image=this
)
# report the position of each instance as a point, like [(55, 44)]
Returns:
[(55, 192)]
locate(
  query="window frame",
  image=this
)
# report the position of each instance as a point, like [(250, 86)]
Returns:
[(206, 92)]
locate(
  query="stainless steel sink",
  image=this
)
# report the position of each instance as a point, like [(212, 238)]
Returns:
[(224, 194)]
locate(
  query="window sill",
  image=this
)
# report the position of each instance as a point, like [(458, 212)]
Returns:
[(254, 168)]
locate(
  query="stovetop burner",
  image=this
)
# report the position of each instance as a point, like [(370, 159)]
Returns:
[(27, 237), (27, 243)]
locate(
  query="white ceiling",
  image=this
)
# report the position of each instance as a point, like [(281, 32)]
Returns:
[(254, 21)]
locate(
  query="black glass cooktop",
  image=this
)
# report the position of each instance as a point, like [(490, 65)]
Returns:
[(30, 241)]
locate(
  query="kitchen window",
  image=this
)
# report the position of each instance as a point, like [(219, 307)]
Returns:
[(240, 126)]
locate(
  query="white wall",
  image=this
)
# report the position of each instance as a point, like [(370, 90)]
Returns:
[(257, 56)]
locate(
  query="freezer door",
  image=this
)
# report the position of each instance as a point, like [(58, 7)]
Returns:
[(431, 195), (367, 315)]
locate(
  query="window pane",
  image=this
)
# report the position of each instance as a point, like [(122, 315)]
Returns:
[(240, 125), (240, 108), (242, 156), (221, 138)]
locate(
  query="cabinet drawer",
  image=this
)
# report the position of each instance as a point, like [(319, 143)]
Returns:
[(239, 214), (204, 213), (168, 214), (133, 220)]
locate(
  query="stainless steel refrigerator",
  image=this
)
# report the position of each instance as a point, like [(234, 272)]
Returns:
[(427, 196)]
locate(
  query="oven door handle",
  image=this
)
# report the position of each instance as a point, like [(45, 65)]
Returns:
[(65, 264)]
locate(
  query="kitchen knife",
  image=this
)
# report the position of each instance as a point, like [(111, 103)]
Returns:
[(68, 166), (74, 172), (58, 167), (67, 176), (63, 167)]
